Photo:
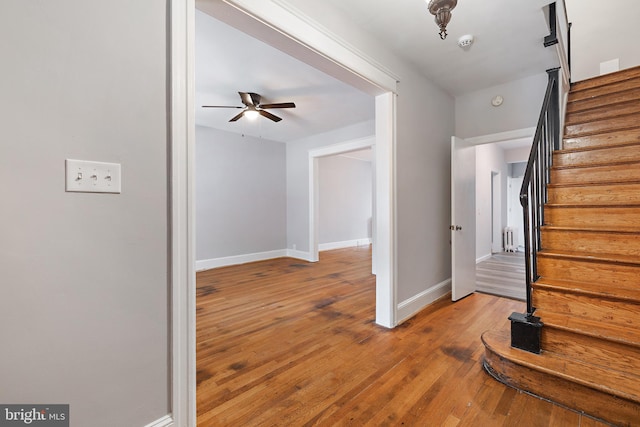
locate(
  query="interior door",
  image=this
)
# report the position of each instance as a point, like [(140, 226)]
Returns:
[(463, 218)]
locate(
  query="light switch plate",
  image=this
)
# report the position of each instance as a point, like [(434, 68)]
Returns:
[(92, 177)]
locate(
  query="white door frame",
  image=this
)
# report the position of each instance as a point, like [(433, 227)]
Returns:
[(341, 59), (182, 347), (314, 155)]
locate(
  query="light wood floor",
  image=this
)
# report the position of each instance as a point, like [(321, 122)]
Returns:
[(288, 343), (503, 274)]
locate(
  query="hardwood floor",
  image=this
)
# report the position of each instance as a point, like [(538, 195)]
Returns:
[(289, 343), (503, 274)]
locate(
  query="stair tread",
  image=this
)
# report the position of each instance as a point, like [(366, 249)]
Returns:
[(604, 111), (588, 104), (606, 125), (586, 288), (590, 328), (610, 258), (611, 138), (578, 93), (594, 229), (595, 205), (622, 384), (603, 80), (595, 148), (593, 184), (599, 166)]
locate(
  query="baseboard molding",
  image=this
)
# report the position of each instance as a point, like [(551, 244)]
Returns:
[(416, 303), (483, 258), (305, 256), (166, 421), (344, 244), (208, 264)]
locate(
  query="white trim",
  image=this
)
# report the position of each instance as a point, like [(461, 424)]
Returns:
[(314, 155), (416, 303), (385, 214), (207, 264), (502, 136), (295, 25), (165, 421), (305, 256), (343, 147), (182, 379), (344, 244), (483, 258)]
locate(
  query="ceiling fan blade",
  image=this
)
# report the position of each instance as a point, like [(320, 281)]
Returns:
[(279, 105), (236, 117), (220, 106), (250, 98), (270, 116)]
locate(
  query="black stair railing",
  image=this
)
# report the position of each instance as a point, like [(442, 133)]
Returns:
[(526, 327)]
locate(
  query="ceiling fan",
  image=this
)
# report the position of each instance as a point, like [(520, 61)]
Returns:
[(253, 107)]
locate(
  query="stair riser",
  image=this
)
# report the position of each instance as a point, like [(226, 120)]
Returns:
[(608, 274), (620, 313), (604, 100), (627, 74), (601, 126), (577, 95), (597, 174), (597, 351), (603, 140), (598, 404), (626, 217), (595, 194), (592, 242), (627, 153), (604, 112)]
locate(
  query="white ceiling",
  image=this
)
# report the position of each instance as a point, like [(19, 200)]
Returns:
[(228, 61), (508, 46)]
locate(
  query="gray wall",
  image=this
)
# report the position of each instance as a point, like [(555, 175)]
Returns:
[(240, 194), (84, 306), (345, 202), (475, 116), (425, 123), (601, 33)]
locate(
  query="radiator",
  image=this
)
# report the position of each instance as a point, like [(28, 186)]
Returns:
[(510, 238)]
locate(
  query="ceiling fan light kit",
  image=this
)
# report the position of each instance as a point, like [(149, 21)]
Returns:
[(253, 107), (441, 9)]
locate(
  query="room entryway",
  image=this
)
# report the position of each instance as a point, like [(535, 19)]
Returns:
[(503, 274)]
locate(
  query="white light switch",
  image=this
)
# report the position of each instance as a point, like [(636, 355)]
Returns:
[(92, 177)]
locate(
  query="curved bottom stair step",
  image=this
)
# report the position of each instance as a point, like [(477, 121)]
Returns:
[(603, 393)]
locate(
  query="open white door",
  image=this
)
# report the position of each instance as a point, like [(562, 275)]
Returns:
[(463, 218)]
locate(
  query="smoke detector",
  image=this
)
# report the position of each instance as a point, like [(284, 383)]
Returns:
[(466, 41)]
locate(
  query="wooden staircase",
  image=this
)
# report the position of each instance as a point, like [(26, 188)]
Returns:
[(588, 294)]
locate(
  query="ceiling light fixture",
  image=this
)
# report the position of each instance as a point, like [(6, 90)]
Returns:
[(251, 113), (441, 9)]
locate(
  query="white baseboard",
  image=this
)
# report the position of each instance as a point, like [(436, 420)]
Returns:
[(344, 244), (305, 256), (207, 264), (416, 303), (483, 258), (165, 421)]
